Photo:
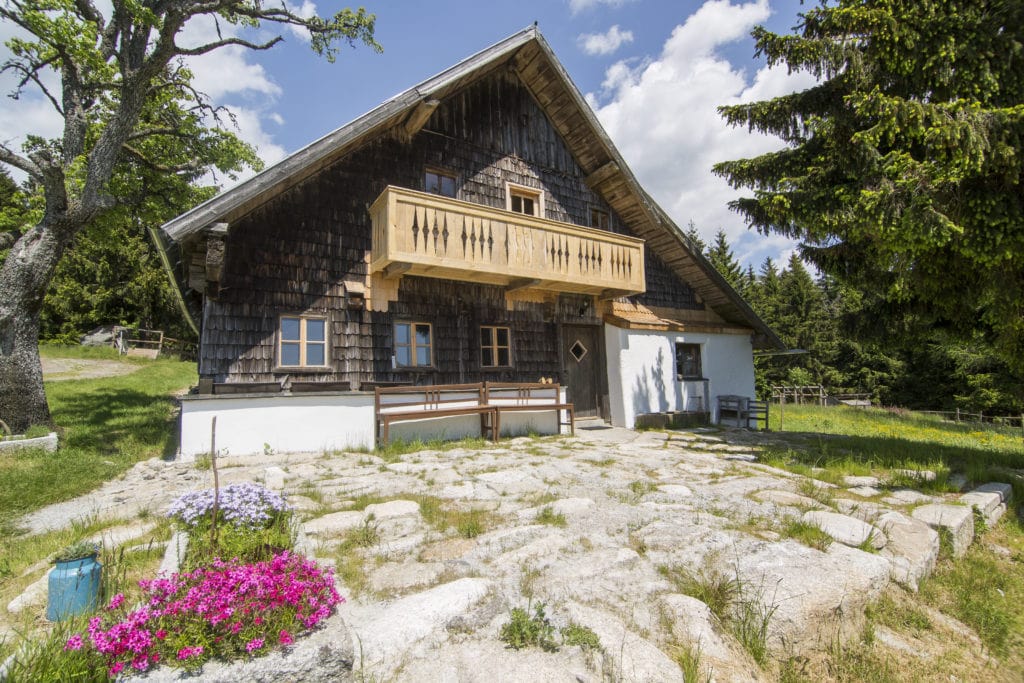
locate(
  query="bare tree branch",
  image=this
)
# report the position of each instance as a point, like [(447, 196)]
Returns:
[(8, 156), (203, 49)]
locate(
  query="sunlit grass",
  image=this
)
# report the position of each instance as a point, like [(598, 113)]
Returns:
[(850, 441), (106, 425)]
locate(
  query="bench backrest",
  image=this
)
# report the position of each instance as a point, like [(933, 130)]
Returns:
[(427, 397), (522, 393)]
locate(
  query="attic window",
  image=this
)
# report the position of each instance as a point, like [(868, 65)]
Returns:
[(600, 219), (439, 182), (524, 200)]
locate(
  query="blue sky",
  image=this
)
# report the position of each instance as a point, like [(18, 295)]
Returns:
[(654, 70)]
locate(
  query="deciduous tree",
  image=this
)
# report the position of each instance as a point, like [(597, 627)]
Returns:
[(109, 68)]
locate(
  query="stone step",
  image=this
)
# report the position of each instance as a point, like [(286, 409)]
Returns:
[(958, 520)]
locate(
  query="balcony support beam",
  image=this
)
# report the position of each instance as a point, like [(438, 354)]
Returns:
[(521, 283), (395, 270)]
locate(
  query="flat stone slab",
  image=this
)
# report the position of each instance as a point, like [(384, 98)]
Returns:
[(572, 506), (677, 490), (861, 481), (919, 475), (846, 530), (48, 443), (393, 508), (908, 497), (33, 596), (912, 550), (403, 576), (1005, 491), (957, 519), (787, 498), (989, 503), (864, 491), (117, 536), (396, 628), (274, 478), (334, 523)]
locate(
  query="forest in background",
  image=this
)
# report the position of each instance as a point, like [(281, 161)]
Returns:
[(859, 342)]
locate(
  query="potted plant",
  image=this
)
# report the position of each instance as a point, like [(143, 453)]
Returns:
[(74, 583)]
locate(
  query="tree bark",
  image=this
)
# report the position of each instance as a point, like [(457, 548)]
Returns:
[(24, 278)]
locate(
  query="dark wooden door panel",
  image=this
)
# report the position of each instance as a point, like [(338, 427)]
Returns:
[(581, 359)]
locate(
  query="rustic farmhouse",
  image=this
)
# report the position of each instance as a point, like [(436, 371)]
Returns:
[(478, 227)]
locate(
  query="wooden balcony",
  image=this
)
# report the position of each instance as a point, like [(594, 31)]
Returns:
[(416, 233)]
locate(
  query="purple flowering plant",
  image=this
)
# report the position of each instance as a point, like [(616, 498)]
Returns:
[(225, 610), (253, 523), (242, 505)]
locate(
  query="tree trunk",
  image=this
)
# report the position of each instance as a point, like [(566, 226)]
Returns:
[(24, 279)]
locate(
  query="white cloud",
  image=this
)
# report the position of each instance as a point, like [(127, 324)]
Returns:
[(661, 113), (604, 43), (577, 6), (227, 75)]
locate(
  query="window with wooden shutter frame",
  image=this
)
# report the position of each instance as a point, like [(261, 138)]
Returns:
[(495, 347), (302, 341), (414, 345)]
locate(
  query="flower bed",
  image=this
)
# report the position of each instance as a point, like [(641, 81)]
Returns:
[(226, 610), (253, 524)]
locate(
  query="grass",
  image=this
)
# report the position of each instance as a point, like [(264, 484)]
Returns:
[(106, 425), (442, 516), (985, 589), (396, 448), (743, 610), (805, 532), (846, 440), (547, 515)]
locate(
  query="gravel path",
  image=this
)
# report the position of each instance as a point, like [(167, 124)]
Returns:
[(57, 369)]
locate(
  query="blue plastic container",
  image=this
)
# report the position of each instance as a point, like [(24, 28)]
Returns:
[(74, 588)]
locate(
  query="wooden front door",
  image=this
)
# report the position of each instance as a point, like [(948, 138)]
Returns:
[(581, 367)]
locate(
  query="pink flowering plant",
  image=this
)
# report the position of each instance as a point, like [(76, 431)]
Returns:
[(253, 523), (225, 610)]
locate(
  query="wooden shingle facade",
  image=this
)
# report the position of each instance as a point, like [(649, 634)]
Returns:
[(478, 227)]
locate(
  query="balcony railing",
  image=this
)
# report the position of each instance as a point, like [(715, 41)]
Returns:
[(415, 233)]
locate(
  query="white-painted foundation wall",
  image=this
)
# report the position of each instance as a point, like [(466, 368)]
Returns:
[(642, 371), (249, 425)]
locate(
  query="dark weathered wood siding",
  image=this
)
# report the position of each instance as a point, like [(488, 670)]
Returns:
[(292, 255)]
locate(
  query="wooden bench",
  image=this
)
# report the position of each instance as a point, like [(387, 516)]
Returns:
[(506, 397), (405, 403)]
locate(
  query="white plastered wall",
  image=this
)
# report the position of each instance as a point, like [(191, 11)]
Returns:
[(250, 425), (642, 371)]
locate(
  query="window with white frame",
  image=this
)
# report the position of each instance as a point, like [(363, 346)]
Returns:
[(495, 347), (524, 200), (302, 341), (414, 346)]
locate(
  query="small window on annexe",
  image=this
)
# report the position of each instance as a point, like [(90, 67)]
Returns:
[(302, 342), (524, 200), (414, 347), (494, 347), (688, 361), (439, 182)]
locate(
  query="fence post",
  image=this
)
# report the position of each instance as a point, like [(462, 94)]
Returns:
[(958, 414)]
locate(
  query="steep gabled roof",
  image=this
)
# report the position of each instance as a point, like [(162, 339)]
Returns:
[(544, 76)]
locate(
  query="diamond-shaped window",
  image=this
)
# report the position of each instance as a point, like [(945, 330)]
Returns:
[(578, 350)]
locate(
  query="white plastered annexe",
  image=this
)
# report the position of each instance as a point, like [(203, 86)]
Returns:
[(642, 372)]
